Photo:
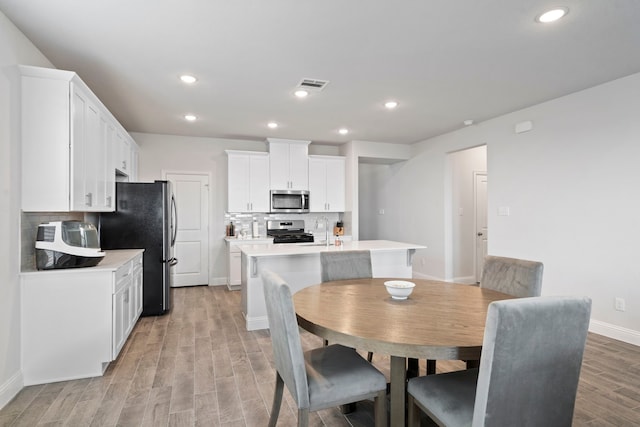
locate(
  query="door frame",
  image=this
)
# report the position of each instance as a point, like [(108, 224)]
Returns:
[(476, 175)]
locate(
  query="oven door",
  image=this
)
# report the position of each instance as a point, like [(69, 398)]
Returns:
[(289, 201)]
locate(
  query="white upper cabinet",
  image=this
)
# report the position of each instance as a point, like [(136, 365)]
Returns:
[(67, 144), (326, 184), (248, 181), (289, 164), (123, 153)]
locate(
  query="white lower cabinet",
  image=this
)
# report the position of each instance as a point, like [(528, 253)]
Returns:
[(234, 259), (75, 321), (127, 302)]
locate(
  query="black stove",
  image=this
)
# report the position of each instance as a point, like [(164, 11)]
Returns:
[(288, 231)]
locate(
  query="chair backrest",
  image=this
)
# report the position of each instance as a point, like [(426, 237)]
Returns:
[(531, 358), (342, 265), (517, 277), (285, 337)]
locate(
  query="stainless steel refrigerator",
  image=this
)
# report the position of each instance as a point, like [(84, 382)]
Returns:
[(145, 218)]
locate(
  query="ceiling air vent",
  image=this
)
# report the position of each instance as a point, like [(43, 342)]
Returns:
[(313, 84)]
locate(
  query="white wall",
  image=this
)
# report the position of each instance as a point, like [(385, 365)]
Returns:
[(15, 48), (571, 185), (191, 154)]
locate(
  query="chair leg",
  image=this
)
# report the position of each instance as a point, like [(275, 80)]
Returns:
[(413, 368), (414, 412), (431, 367), (277, 401), (303, 417), (380, 409), (348, 408), (370, 356), (472, 364)]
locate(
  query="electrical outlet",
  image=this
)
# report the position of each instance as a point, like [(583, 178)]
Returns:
[(620, 304)]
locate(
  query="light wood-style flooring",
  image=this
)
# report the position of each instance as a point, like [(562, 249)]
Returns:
[(198, 366)]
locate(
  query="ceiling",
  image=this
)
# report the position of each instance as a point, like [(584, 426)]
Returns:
[(444, 61)]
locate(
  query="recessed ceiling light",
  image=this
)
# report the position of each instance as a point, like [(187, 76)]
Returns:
[(390, 105), (188, 79), (468, 122), (343, 131), (190, 117), (552, 15), (301, 93), (272, 125)]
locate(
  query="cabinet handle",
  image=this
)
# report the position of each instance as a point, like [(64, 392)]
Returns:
[(251, 206), (126, 296), (108, 201), (124, 164), (88, 199), (248, 206)]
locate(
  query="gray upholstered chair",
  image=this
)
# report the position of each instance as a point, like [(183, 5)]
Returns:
[(528, 376), (344, 265), (320, 378), (517, 277)]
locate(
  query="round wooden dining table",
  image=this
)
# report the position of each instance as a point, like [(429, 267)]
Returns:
[(438, 321)]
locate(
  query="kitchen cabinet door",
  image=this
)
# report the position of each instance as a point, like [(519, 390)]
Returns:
[(248, 181), (106, 183), (259, 196), (289, 164), (123, 149), (335, 182), (327, 183), (120, 319)]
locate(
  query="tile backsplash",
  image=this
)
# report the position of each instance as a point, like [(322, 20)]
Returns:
[(313, 222), (29, 229)]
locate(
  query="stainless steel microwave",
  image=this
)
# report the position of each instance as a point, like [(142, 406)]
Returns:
[(290, 201)]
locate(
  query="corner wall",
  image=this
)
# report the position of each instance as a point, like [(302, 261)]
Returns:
[(15, 49)]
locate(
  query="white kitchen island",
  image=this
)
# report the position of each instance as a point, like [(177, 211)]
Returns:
[(299, 266)]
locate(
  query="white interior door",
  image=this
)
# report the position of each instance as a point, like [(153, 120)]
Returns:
[(481, 229), (192, 240)]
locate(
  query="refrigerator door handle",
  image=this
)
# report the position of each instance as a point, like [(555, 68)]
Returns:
[(173, 261), (174, 220)]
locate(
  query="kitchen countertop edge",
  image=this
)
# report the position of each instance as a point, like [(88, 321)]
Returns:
[(316, 248), (112, 260)]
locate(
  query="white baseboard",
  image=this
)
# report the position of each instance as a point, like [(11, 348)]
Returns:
[(254, 323), (9, 389), (616, 332), (466, 280), (418, 275), (217, 281)]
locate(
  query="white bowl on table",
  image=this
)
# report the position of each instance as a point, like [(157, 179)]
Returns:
[(399, 289)]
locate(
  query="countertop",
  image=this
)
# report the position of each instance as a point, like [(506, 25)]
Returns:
[(248, 240), (315, 248), (112, 260)]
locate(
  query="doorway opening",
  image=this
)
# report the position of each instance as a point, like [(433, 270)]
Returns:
[(467, 214)]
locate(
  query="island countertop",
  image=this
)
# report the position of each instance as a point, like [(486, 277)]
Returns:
[(299, 266), (282, 249)]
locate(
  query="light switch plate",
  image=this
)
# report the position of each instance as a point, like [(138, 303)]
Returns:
[(504, 211)]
